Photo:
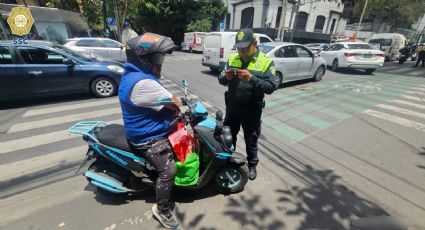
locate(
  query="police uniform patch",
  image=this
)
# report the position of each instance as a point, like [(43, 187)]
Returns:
[(273, 70), (240, 35), (258, 64)]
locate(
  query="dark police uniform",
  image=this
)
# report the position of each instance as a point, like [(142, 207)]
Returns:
[(421, 55), (245, 99)]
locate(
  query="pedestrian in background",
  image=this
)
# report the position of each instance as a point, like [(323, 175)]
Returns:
[(421, 55)]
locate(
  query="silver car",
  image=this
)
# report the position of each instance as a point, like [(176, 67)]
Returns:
[(294, 61), (103, 48)]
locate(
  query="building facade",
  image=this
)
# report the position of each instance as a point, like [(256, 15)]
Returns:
[(316, 20)]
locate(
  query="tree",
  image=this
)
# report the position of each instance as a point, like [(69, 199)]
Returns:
[(70, 5), (202, 25), (398, 13), (175, 17)]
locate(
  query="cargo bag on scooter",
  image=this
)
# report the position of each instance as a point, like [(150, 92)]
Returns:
[(181, 141), (187, 172)]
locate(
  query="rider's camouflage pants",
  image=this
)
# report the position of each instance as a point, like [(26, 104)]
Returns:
[(159, 153)]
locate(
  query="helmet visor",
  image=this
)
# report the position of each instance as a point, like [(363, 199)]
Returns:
[(157, 58)]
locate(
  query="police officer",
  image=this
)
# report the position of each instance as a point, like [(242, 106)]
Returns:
[(249, 74), (421, 55)]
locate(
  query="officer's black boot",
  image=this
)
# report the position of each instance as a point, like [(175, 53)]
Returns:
[(252, 173)]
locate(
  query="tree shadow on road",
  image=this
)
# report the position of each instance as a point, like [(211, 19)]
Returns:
[(421, 153), (251, 214), (322, 199)]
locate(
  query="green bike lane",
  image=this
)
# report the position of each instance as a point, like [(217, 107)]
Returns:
[(299, 112)]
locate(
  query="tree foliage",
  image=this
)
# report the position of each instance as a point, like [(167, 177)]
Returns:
[(398, 13), (175, 17), (170, 18), (202, 25)]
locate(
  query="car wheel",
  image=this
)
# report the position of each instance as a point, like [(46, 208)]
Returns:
[(370, 71), (319, 73), (335, 65), (280, 79), (103, 87)]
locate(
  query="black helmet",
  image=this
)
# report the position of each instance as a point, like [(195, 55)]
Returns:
[(148, 50)]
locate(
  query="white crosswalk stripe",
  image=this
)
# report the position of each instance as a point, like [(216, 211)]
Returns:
[(64, 119), (40, 111), (396, 119), (407, 110), (36, 164)]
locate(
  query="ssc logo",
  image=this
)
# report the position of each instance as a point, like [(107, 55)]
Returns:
[(20, 20), (20, 41)]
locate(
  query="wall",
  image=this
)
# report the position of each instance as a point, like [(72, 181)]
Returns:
[(313, 9)]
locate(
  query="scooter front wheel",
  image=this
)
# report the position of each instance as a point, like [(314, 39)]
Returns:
[(231, 179)]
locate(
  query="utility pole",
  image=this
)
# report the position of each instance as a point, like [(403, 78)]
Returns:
[(361, 18), (281, 32), (295, 22)]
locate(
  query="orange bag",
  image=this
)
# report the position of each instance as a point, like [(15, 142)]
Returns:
[(181, 141)]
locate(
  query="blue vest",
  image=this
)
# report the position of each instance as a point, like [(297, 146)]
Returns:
[(141, 124)]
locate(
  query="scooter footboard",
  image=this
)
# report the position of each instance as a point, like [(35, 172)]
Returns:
[(237, 159)]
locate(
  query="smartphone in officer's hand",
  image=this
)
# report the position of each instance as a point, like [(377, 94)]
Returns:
[(231, 73)]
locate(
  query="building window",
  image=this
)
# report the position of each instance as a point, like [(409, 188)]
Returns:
[(247, 18), (227, 21), (332, 26), (301, 21), (320, 23), (279, 14)]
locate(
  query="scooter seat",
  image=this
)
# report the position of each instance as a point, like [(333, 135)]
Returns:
[(114, 136)]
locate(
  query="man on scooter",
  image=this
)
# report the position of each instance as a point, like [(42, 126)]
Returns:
[(147, 110)]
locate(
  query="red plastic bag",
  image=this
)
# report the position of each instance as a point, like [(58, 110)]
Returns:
[(181, 141)]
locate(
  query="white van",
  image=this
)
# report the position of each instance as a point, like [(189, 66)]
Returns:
[(219, 45), (193, 41), (389, 43)]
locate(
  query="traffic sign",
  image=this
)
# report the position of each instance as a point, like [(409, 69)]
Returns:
[(111, 21), (221, 26)]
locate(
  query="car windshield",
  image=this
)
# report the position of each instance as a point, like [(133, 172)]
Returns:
[(382, 42), (265, 48), (72, 53), (360, 47)]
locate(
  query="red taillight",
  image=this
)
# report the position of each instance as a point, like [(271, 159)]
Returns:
[(348, 54), (221, 52), (382, 55)]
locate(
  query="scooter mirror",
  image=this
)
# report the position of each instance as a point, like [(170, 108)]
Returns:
[(185, 83)]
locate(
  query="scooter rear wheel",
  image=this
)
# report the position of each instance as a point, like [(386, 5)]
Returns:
[(231, 179)]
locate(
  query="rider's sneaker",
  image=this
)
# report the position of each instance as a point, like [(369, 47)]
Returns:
[(168, 220)]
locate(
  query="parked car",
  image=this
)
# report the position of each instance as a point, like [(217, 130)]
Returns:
[(294, 61), (389, 43), (219, 45), (355, 55), (44, 68), (317, 47), (103, 48)]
